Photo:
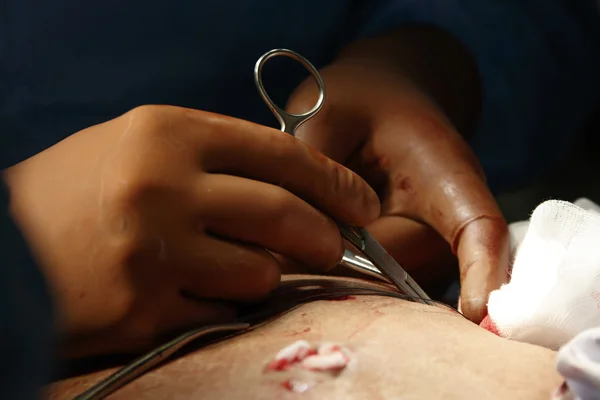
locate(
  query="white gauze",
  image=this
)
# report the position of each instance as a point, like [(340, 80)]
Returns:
[(554, 291)]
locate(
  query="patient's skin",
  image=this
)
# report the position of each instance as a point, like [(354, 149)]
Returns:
[(401, 350)]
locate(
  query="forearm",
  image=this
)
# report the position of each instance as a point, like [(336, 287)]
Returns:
[(417, 57), (434, 61)]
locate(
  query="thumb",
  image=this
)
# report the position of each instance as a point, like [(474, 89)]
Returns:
[(482, 247), (464, 212), (436, 178)]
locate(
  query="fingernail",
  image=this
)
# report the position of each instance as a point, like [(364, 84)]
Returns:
[(474, 308)]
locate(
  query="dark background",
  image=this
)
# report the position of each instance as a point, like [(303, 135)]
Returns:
[(576, 175)]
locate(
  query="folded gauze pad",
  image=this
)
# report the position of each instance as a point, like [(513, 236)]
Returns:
[(554, 291)]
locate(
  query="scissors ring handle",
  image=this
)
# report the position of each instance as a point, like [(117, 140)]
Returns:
[(289, 122)]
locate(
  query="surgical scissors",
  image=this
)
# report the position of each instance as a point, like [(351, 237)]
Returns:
[(373, 259)]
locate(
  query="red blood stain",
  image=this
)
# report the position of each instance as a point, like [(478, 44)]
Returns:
[(334, 348), (562, 390), (343, 298), (404, 183), (489, 325), (283, 363), (384, 163), (288, 385), (296, 333), (278, 365)]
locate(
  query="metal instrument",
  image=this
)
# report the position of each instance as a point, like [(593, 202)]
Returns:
[(372, 259), (150, 360)]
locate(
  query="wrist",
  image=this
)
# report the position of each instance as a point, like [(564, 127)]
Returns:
[(421, 59)]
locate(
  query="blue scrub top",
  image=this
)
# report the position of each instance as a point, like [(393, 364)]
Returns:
[(69, 64)]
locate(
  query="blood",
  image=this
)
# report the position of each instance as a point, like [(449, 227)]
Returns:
[(562, 391), (278, 365), (404, 183), (282, 364), (296, 333), (489, 325), (290, 355), (328, 348), (343, 298), (327, 357)]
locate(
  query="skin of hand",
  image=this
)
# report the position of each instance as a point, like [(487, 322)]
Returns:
[(157, 220), (390, 115)]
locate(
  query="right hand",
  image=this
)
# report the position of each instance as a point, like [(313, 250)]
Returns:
[(140, 223)]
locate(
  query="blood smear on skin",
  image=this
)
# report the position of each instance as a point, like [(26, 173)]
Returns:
[(329, 357), (291, 354), (326, 357), (489, 325), (328, 348)]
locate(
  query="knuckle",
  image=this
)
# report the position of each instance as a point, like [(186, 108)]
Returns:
[(152, 120), (171, 132), (139, 193), (285, 147), (121, 310), (267, 278), (143, 326), (345, 181), (148, 111), (329, 247), (257, 275)]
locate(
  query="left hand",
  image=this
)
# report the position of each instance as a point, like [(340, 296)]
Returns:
[(425, 173)]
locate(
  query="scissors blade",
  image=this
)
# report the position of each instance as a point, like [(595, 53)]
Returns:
[(390, 268)]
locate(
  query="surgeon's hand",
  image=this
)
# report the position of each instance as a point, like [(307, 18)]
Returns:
[(379, 121), (145, 224)]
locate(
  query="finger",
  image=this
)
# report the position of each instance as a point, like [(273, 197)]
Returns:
[(253, 151), (290, 267), (269, 217), (411, 243), (187, 312), (434, 177), (172, 312), (483, 251), (215, 268), (458, 204)]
